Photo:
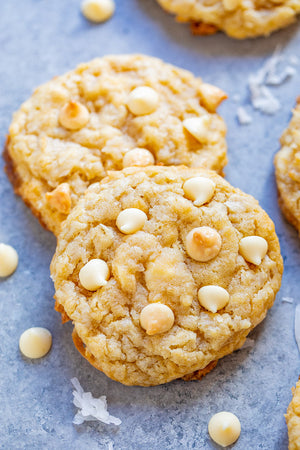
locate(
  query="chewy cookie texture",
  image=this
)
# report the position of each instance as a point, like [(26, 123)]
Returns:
[(292, 418), (287, 169), (179, 285), (110, 113), (240, 19)]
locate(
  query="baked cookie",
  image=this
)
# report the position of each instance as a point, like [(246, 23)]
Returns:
[(292, 418), (163, 271), (107, 114), (240, 19), (287, 170)]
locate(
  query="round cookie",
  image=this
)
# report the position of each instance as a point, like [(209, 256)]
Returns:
[(146, 323), (239, 19), (81, 124), (287, 170), (292, 418)]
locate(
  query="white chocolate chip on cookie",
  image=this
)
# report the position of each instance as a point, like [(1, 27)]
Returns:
[(139, 157), (224, 428), (35, 342), (73, 116), (198, 127), (203, 243), (213, 297), (8, 260), (94, 274), (142, 100), (131, 220), (156, 318), (98, 10), (230, 5), (199, 189), (211, 96), (253, 249), (60, 198)]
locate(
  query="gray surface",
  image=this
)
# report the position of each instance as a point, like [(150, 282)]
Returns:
[(40, 39)]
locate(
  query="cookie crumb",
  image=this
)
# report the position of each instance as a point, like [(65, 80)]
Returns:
[(90, 408)]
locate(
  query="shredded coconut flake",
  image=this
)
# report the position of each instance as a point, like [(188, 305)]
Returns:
[(110, 445), (297, 325), (90, 408), (287, 300), (243, 117), (270, 74)]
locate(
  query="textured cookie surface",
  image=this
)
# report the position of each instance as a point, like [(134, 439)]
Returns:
[(292, 418), (51, 165), (152, 266), (238, 18), (287, 169)]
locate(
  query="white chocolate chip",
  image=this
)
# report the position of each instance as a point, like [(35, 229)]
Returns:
[(253, 249), (60, 198), (211, 96), (131, 220), (224, 428), (139, 157), (199, 189), (156, 318), (203, 243), (98, 10), (213, 297), (8, 260), (94, 274), (198, 127), (142, 100), (73, 116), (230, 5), (35, 342)]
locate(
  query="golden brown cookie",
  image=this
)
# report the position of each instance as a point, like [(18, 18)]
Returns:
[(163, 271), (292, 418), (107, 114), (287, 170), (240, 19)]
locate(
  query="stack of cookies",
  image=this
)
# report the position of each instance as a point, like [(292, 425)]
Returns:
[(162, 266)]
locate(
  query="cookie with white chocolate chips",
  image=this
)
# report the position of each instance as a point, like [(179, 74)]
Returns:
[(240, 19), (176, 288), (110, 113), (287, 170), (292, 418)]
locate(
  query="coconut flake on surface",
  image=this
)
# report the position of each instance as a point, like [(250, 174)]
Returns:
[(297, 325), (110, 445), (90, 408), (243, 117), (287, 300), (270, 74)]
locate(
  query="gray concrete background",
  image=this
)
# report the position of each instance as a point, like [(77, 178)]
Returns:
[(40, 39)]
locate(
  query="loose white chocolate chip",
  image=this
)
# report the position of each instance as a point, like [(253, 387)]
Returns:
[(73, 116), (156, 318), (94, 274), (8, 260), (199, 189), (60, 198), (203, 243), (198, 127), (224, 428), (213, 297), (211, 96), (139, 157), (131, 220), (98, 10), (142, 100), (35, 342), (253, 249)]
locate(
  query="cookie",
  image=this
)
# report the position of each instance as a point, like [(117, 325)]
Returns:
[(163, 271), (292, 418), (110, 113), (239, 19), (287, 170)]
